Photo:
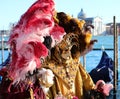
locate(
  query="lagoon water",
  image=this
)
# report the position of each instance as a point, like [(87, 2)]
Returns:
[(93, 57)]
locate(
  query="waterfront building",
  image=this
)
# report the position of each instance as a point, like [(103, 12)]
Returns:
[(4, 36), (110, 28)]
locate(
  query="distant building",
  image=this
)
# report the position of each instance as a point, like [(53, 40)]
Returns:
[(110, 28), (81, 15), (4, 32), (4, 36), (99, 28)]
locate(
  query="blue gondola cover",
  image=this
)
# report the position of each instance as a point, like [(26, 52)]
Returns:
[(104, 70), (6, 62)]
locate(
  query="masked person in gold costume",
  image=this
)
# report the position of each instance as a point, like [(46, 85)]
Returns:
[(71, 80)]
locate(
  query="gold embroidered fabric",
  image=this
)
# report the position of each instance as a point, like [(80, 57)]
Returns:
[(72, 84)]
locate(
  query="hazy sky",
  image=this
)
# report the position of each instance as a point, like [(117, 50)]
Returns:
[(11, 10)]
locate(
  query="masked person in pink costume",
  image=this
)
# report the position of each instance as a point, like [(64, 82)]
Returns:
[(28, 46)]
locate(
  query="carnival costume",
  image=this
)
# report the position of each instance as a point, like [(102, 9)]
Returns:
[(29, 45), (71, 79)]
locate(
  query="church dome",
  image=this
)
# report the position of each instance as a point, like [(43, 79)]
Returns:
[(81, 14)]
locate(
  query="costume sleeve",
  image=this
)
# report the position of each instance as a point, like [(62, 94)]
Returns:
[(88, 83)]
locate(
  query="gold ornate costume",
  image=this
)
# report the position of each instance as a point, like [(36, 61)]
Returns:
[(71, 79)]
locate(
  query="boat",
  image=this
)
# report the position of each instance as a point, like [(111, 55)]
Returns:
[(6, 62), (104, 70)]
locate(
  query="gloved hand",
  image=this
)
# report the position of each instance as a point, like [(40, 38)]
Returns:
[(103, 87)]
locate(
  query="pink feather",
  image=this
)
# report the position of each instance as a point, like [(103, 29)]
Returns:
[(27, 37)]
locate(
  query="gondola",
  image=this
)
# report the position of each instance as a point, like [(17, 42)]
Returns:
[(6, 62), (104, 70)]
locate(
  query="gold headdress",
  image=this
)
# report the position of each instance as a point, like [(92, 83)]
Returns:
[(78, 36)]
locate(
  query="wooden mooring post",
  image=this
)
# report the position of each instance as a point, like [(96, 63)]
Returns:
[(84, 61), (2, 46), (115, 58)]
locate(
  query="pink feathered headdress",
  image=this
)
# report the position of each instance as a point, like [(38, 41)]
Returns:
[(27, 37)]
